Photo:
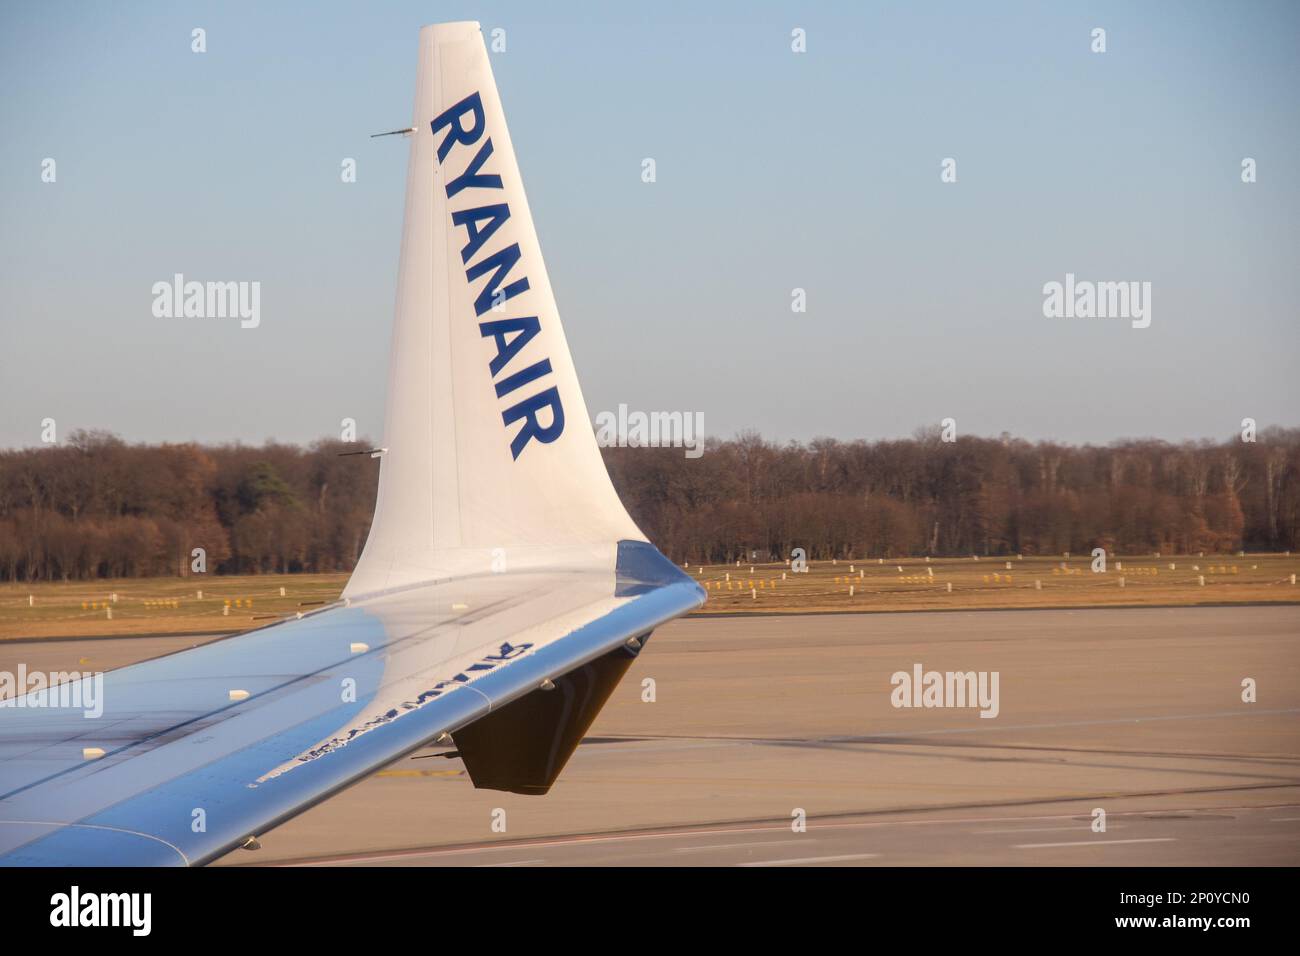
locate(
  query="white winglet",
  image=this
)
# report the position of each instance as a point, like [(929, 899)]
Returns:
[(491, 458)]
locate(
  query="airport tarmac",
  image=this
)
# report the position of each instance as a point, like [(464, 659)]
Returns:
[(1137, 712)]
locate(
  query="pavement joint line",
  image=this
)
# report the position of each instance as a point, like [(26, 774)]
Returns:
[(485, 866), (895, 734), (743, 846), (578, 839), (1080, 825), (1038, 846), (800, 861)]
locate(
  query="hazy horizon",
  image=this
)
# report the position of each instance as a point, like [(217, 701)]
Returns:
[(363, 438)]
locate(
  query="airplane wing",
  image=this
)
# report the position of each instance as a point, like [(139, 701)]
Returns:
[(189, 774), (502, 593)]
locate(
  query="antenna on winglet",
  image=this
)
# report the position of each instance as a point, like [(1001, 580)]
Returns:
[(372, 452), (394, 132)]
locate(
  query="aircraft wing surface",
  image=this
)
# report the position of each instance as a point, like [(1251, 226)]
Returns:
[(188, 773)]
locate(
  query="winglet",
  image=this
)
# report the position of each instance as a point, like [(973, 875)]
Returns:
[(490, 452)]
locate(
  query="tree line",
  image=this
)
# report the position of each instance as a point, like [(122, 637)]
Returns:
[(96, 506)]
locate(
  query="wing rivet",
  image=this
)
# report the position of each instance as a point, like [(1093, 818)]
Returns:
[(358, 647), (239, 695), (91, 753), (548, 684)]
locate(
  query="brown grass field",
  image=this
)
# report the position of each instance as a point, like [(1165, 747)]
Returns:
[(237, 603), (915, 584), (160, 605)]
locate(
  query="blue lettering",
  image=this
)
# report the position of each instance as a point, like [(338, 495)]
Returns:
[(470, 218), (499, 263), (524, 328), (519, 379), (458, 133), (465, 124), (527, 410), (471, 178)]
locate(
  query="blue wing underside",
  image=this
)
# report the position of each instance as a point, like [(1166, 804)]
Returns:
[(190, 771)]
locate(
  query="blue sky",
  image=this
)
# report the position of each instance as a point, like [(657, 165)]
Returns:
[(775, 170)]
